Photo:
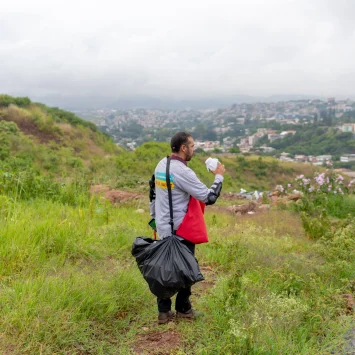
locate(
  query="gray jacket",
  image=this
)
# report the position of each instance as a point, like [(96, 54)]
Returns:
[(184, 183)]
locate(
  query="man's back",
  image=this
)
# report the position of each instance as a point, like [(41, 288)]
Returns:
[(181, 182)]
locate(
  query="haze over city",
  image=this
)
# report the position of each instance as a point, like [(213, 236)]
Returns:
[(90, 53)]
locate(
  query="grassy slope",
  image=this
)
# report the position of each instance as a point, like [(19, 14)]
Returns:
[(250, 173), (57, 143), (52, 141), (70, 286)]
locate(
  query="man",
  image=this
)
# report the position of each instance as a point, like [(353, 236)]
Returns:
[(184, 183)]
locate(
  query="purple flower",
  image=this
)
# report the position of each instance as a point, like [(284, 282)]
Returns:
[(306, 181), (320, 179)]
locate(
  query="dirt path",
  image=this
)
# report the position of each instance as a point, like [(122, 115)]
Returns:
[(165, 339)]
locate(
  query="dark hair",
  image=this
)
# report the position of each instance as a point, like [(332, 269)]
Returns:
[(177, 140)]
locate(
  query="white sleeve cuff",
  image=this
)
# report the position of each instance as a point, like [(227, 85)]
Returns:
[(218, 178)]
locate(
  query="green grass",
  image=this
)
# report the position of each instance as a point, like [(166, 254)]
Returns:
[(341, 206), (70, 286)]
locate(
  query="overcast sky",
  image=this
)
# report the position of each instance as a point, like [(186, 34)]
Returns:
[(177, 49)]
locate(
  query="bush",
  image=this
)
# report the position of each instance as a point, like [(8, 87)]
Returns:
[(341, 245), (9, 127), (29, 184), (6, 100), (325, 195), (340, 206), (4, 146), (234, 150)]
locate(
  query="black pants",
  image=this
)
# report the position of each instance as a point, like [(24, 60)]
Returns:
[(182, 303)]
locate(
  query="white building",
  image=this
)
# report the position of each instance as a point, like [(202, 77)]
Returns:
[(321, 159), (273, 137), (300, 158), (285, 133), (347, 158), (348, 127), (253, 139)]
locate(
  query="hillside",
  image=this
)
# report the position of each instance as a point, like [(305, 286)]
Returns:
[(277, 281), (313, 140), (247, 172), (53, 143), (49, 139)]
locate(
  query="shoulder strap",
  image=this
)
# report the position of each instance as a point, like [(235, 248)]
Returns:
[(169, 194)]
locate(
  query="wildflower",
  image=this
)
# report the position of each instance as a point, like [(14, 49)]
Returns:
[(320, 179), (288, 185), (279, 188), (306, 181)]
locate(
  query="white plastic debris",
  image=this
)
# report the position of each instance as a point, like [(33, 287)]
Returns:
[(211, 164)]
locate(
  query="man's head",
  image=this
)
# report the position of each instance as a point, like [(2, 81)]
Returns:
[(182, 145)]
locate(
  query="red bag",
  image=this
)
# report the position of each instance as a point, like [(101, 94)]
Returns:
[(193, 226)]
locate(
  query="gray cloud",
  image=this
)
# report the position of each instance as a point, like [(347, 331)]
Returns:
[(191, 49)]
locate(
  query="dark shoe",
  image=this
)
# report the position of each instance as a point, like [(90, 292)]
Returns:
[(191, 314), (165, 317)]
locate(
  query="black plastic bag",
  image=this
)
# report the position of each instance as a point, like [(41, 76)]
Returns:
[(167, 265)]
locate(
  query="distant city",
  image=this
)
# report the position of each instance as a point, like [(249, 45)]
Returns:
[(240, 127)]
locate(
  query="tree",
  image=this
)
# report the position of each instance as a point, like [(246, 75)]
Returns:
[(234, 150), (6, 100)]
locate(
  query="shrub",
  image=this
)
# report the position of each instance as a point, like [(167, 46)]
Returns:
[(324, 195), (6, 100), (341, 245), (29, 184), (9, 127), (4, 146)]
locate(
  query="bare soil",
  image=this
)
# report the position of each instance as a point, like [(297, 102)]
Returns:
[(29, 128), (206, 285), (157, 343), (115, 196), (168, 341)]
